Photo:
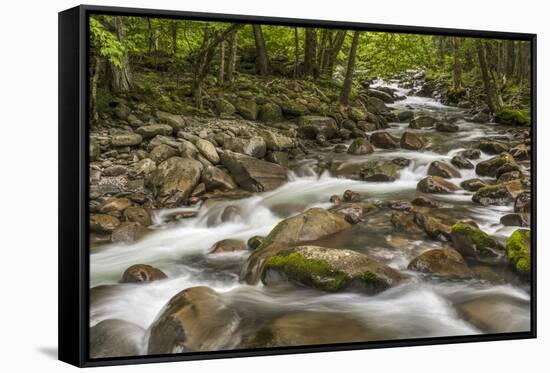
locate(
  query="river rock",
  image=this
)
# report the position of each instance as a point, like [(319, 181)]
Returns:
[(473, 185), (376, 105), (447, 263), (126, 139), (446, 127), (384, 96), (143, 168), (381, 170), (422, 121), (424, 201), (214, 178), (497, 313), (436, 184), (177, 122), (153, 130), (103, 224), (270, 113), (208, 150), (254, 146), (224, 108), (247, 108), (227, 246), (411, 141), (493, 147), (127, 232), (481, 117), (280, 158), (303, 328), (162, 152), (433, 227), (138, 215), (516, 220), (521, 152), (405, 115), (253, 174), (114, 205), (470, 153), (518, 250), (175, 179), (294, 108), (461, 162), (490, 166), (470, 241), (310, 225), (277, 142), (254, 242), (115, 170), (360, 146), (329, 270), (523, 203), (442, 169), (498, 194), (383, 140), (311, 126), (142, 273), (115, 338), (196, 319)]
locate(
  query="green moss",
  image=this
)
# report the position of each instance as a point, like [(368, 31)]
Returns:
[(271, 236), (316, 273), (516, 117), (491, 191), (359, 141), (479, 238), (518, 250)]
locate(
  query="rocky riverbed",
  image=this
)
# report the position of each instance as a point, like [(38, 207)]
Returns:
[(279, 219)]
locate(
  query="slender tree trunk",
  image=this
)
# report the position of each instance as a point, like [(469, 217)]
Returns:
[(121, 75), (457, 65), (96, 65), (149, 35), (174, 37), (232, 58), (489, 89), (222, 63), (262, 62), (334, 51), (346, 88), (310, 53), (511, 57), (296, 52), (322, 49)]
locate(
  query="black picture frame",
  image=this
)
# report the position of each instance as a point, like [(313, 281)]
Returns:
[(74, 175)]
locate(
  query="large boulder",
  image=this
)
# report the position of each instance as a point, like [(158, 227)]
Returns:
[(422, 121), (175, 179), (461, 162), (138, 215), (498, 194), (127, 232), (153, 130), (270, 113), (126, 139), (143, 168), (376, 105), (384, 140), (103, 223), (277, 142), (115, 338), (247, 108), (436, 184), (195, 319), (411, 141), (360, 146), (497, 313), (493, 147), (142, 273), (384, 96), (114, 205), (523, 202), (304, 328), (446, 127), (473, 185), (446, 263), (176, 121), (442, 169), (217, 179), (491, 166), (518, 249), (294, 108), (311, 126), (254, 146), (310, 225), (208, 150), (253, 174), (470, 241), (329, 270), (162, 152), (381, 170)]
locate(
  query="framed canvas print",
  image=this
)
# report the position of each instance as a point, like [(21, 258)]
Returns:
[(234, 186)]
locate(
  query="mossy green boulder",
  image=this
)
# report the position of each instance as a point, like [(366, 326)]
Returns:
[(470, 241), (499, 194), (491, 166), (329, 269), (518, 249), (513, 117)]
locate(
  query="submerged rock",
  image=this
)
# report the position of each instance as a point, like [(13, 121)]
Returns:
[(195, 319), (422, 121), (253, 174), (227, 246), (446, 263), (446, 127), (516, 220), (329, 270), (142, 273), (497, 313), (382, 170), (518, 249), (115, 338), (436, 184)]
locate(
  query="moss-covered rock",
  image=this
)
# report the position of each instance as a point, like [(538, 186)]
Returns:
[(329, 270), (360, 146), (518, 249), (513, 117), (380, 170), (498, 194), (436, 184), (470, 241), (491, 166)]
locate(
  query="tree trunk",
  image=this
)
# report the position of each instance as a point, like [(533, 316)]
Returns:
[(296, 52), (96, 65), (346, 88), (149, 35), (174, 37), (322, 49), (121, 75), (222, 63), (334, 50), (489, 89), (457, 65), (232, 58), (262, 62), (310, 53), (204, 60)]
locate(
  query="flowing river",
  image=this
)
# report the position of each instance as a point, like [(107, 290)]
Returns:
[(424, 307)]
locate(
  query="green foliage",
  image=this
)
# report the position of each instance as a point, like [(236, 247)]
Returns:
[(517, 248), (102, 99), (479, 238), (516, 117), (105, 42)]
